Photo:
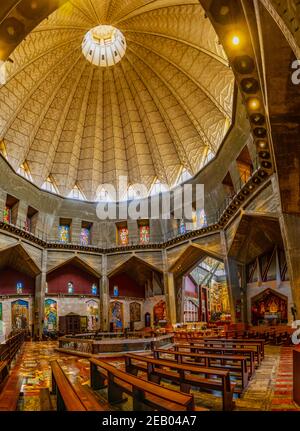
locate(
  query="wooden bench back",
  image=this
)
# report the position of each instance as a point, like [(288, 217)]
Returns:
[(182, 367), (136, 383), (70, 398)]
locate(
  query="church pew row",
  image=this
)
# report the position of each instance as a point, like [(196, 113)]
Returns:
[(235, 364), (230, 340), (205, 349), (10, 392), (272, 335), (185, 376), (4, 372), (71, 397), (257, 346), (146, 395)]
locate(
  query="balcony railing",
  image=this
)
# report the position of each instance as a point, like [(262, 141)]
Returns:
[(155, 241)]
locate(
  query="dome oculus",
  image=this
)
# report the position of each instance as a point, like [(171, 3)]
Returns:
[(104, 46)]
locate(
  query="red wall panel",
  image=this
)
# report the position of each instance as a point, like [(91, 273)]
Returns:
[(127, 286), (8, 282), (58, 280)]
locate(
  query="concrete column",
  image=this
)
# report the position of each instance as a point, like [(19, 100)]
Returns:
[(104, 296), (2, 203), (39, 300), (233, 285), (169, 288), (290, 229), (76, 230), (22, 214)]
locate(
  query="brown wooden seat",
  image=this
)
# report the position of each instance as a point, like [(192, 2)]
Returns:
[(236, 364), (145, 394), (223, 350), (184, 375), (259, 344), (71, 397), (4, 372), (45, 400), (10, 393)]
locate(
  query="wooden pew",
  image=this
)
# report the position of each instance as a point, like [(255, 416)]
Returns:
[(69, 397), (201, 348), (4, 372), (10, 393), (184, 375), (258, 344), (145, 394), (235, 364)]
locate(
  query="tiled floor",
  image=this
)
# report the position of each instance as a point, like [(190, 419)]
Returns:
[(269, 389)]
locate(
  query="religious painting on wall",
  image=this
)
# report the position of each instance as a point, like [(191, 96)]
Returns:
[(64, 233), (85, 236), (160, 312), (269, 306), (123, 236), (50, 319), (1, 322), (92, 315), (135, 312), (116, 291), (7, 215), (144, 234), (19, 314), (116, 315)]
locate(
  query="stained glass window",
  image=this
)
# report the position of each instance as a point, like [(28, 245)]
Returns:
[(202, 219), (123, 235), (19, 288), (182, 228), (85, 236), (70, 287), (144, 234), (64, 233), (94, 289)]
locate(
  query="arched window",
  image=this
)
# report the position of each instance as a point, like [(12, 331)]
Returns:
[(25, 171), (76, 193), (49, 185)]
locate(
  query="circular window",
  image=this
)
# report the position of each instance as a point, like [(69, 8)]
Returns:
[(104, 46)]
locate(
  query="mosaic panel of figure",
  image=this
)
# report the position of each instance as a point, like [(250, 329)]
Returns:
[(123, 236), (64, 233), (269, 305), (85, 235), (135, 312), (19, 314), (159, 312), (144, 234), (50, 319), (7, 215), (116, 315), (92, 315)]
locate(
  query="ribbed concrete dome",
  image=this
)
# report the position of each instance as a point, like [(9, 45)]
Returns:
[(164, 107)]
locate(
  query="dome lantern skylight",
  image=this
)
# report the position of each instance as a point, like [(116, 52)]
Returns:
[(104, 46)]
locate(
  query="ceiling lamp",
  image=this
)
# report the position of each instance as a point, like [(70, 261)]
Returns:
[(104, 46)]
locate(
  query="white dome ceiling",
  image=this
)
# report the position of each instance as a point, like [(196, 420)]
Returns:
[(165, 106)]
